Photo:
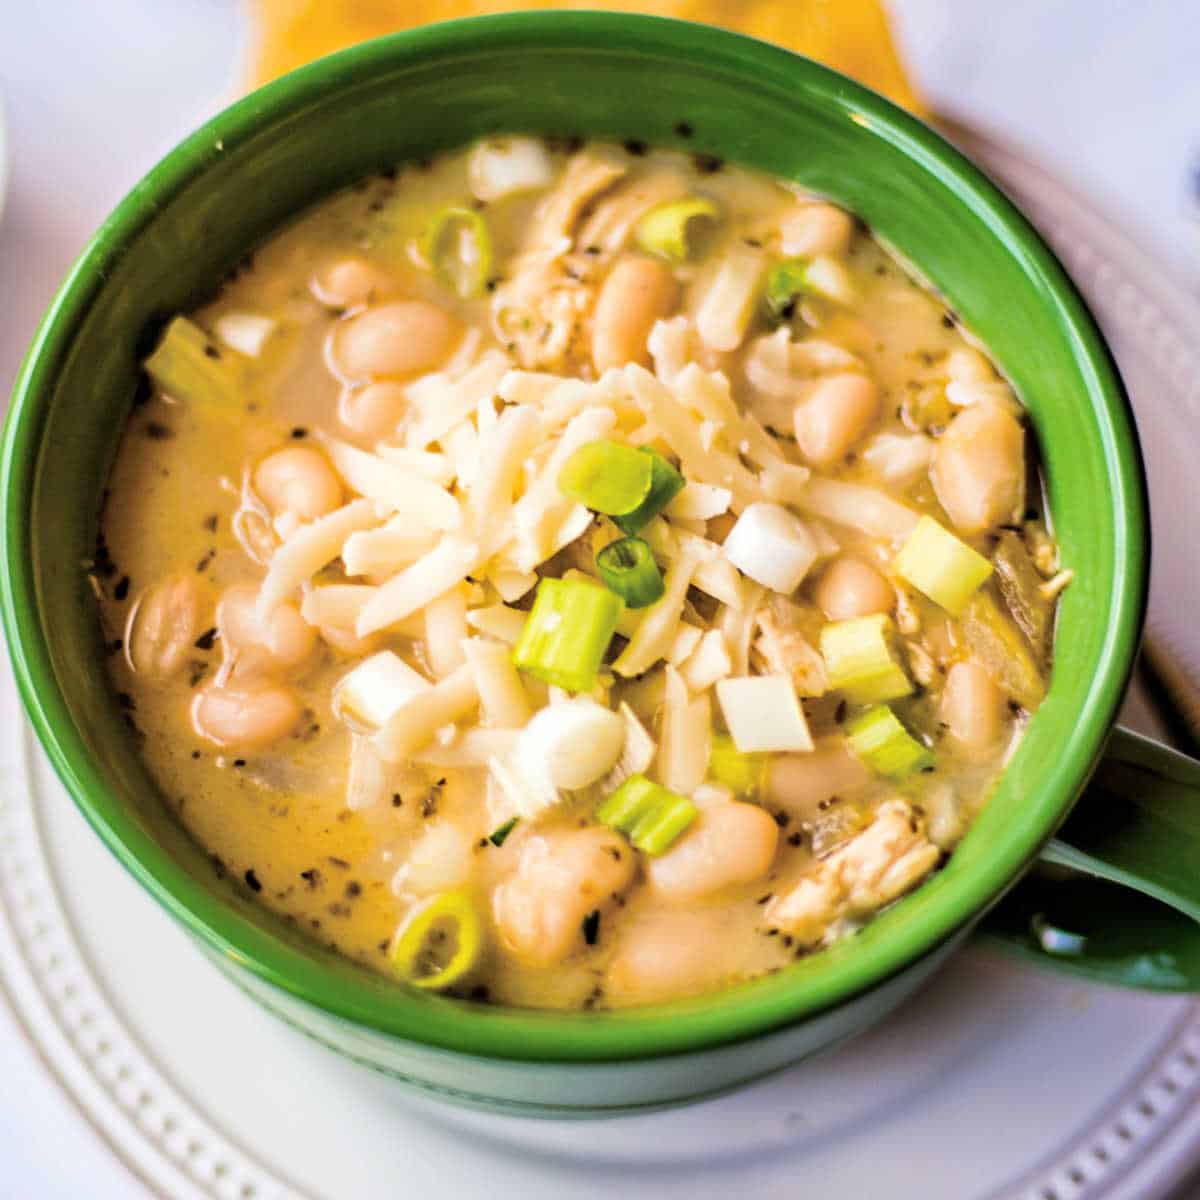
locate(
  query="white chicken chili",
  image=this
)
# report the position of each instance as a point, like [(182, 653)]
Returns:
[(575, 575)]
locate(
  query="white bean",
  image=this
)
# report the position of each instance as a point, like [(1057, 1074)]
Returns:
[(849, 587), (978, 468), (816, 229), (561, 878), (374, 410), (665, 955), (637, 293), (728, 844), (836, 413), (352, 282), (282, 643), (802, 783), (162, 626), (298, 480), (250, 719), (402, 338), (973, 706)]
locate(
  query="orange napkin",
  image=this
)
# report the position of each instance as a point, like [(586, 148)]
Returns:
[(849, 35)]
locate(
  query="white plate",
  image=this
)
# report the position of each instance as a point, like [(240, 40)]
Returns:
[(995, 1083)]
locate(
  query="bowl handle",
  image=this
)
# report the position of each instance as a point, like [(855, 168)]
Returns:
[(1116, 895)]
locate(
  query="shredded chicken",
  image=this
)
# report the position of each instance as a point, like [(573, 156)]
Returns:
[(783, 650), (891, 855)]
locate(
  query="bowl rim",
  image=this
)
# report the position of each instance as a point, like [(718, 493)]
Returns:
[(732, 1014)]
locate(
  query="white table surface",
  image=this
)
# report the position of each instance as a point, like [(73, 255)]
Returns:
[(1107, 92)]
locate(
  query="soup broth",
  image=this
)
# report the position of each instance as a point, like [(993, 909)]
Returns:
[(575, 575)]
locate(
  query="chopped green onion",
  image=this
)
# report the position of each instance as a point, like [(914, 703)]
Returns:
[(650, 815), (499, 835), (785, 281), (882, 742), (439, 943), (860, 660), (741, 773), (567, 632), (607, 477), (458, 248), (937, 563), (188, 365), (664, 229), (628, 567), (665, 484)]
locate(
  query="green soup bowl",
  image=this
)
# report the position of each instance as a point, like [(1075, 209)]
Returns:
[(228, 186)]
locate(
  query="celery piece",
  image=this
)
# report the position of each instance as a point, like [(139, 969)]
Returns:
[(658, 829), (664, 229), (941, 566), (190, 367), (741, 773), (860, 660), (457, 245), (785, 281), (882, 742), (567, 633), (607, 477), (439, 943), (650, 815), (665, 484)]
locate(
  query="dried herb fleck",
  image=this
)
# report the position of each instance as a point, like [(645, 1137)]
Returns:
[(591, 927)]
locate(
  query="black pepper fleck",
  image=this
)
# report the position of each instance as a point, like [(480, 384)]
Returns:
[(684, 129), (707, 164), (252, 881), (210, 523), (299, 432), (206, 639), (591, 927), (156, 431), (636, 148), (122, 588)]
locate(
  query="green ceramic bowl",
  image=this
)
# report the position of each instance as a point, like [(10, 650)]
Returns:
[(228, 186)]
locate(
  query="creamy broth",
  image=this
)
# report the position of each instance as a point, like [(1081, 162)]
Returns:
[(852, 374)]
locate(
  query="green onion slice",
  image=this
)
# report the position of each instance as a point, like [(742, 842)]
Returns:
[(664, 229), (607, 477), (785, 281), (439, 943), (881, 741), (567, 633), (861, 661), (457, 245), (628, 567), (650, 815), (665, 484), (499, 835), (741, 773), (941, 566)]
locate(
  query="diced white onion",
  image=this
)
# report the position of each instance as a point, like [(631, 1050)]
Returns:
[(367, 777), (571, 744), (699, 502), (440, 860), (370, 693), (763, 713), (728, 303), (772, 546), (502, 166), (244, 332)]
